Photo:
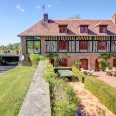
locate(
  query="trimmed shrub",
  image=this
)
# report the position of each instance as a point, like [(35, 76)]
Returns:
[(34, 58), (104, 92), (78, 74)]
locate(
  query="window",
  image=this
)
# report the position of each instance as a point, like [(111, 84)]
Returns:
[(33, 45), (83, 45), (103, 29), (63, 44), (62, 29), (83, 29), (101, 45)]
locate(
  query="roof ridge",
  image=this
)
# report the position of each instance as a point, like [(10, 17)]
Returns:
[(79, 19)]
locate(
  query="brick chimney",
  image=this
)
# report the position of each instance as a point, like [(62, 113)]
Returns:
[(46, 17), (114, 18)]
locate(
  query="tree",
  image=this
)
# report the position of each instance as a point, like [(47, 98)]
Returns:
[(9, 46), (77, 16)]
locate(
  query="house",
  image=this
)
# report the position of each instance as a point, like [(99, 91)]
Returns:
[(83, 40)]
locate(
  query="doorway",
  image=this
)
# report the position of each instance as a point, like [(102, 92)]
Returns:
[(96, 65), (84, 64), (114, 62)]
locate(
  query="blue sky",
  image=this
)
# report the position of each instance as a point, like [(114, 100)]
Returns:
[(18, 15)]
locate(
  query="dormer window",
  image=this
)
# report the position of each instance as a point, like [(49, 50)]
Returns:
[(103, 29), (63, 28), (83, 29)]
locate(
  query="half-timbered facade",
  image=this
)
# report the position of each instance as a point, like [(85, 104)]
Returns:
[(83, 40)]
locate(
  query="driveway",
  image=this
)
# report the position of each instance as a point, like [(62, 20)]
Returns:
[(5, 68)]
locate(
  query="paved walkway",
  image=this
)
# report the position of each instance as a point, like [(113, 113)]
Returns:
[(111, 80), (89, 101)]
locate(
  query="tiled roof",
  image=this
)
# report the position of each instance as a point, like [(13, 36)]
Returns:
[(51, 28), (101, 23)]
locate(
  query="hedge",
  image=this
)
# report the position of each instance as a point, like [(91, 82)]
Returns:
[(78, 74), (63, 99), (104, 92)]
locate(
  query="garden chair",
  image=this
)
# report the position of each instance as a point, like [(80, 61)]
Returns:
[(90, 72)]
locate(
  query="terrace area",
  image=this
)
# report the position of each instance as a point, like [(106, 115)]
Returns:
[(111, 80)]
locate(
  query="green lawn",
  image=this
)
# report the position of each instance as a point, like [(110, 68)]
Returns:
[(13, 87)]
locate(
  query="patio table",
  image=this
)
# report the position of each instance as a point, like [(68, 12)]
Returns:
[(110, 72), (65, 73)]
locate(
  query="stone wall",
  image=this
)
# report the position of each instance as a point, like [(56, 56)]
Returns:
[(37, 100)]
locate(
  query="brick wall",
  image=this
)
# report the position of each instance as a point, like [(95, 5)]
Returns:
[(73, 57)]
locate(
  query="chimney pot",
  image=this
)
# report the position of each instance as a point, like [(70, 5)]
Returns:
[(46, 17)]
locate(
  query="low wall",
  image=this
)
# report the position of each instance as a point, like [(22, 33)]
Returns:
[(37, 100)]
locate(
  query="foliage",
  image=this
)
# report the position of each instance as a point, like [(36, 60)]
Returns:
[(41, 57), (50, 55), (63, 99), (104, 92), (105, 56), (12, 48), (102, 59), (66, 56), (102, 64), (77, 63), (34, 58), (13, 88)]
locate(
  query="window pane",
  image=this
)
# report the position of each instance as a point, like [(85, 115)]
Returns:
[(36, 46), (62, 29), (29, 38), (83, 45), (103, 29), (36, 38), (63, 45), (83, 29), (29, 46), (101, 45)]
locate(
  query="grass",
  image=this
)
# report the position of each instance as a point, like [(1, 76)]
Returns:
[(13, 88)]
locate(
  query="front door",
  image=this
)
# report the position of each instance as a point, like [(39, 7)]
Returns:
[(84, 64), (96, 65), (114, 62), (63, 62)]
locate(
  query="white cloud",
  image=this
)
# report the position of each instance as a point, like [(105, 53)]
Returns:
[(38, 6), (49, 5), (18, 6), (57, 1)]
